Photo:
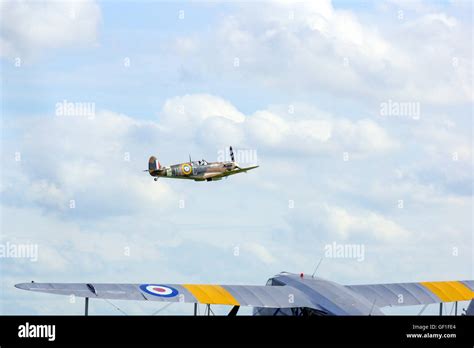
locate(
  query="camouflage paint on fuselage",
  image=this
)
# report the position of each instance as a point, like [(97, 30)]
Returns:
[(195, 170)]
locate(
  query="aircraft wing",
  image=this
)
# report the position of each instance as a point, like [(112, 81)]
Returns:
[(234, 295), (409, 294), (240, 170), (232, 172)]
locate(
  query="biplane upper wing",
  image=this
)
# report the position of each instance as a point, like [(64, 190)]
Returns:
[(235, 295), (318, 294), (409, 294)]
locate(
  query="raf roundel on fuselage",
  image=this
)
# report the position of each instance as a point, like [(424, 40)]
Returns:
[(197, 170)]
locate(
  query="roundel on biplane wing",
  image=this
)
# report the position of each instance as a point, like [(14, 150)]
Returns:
[(186, 168), (159, 290)]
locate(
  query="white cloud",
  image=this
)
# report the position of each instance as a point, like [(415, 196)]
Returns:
[(185, 45), (431, 18), (47, 193), (445, 144), (259, 251), (198, 107), (318, 135), (67, 245), (364, 136), (414, 193), (94, 162), (217, 121), (312, 46), (181, 115), (273, 130), (370, 224), (31, 27)]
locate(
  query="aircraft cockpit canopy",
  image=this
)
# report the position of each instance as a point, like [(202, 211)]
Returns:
[(202, 162)]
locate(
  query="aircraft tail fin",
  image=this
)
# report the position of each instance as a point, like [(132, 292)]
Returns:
[(153, 165)]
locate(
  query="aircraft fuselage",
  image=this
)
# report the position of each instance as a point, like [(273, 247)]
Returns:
[(195, 170)]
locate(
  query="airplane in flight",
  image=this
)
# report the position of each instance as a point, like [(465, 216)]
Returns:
[(284, 294), (196, 170)]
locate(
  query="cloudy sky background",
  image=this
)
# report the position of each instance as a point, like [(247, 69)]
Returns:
[(300, 84)]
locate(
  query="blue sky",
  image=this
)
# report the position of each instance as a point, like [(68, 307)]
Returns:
[(301, 85)]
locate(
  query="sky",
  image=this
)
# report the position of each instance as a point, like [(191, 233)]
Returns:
[(358, 113)]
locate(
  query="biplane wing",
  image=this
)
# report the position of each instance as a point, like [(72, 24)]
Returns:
[(286, 293), (410, 294), (234, 295)]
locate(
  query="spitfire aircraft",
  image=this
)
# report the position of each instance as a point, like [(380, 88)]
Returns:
[(196, 170), (283, 294)]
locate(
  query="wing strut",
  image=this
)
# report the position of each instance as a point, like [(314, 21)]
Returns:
[(423, 309), (233, 311), (209, 310), (86, 309)]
